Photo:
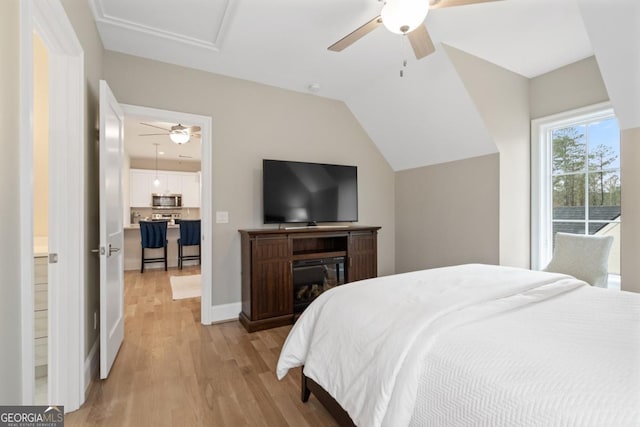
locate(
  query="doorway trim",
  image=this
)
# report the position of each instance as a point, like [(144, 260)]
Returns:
[(66, 208), (206, 187)]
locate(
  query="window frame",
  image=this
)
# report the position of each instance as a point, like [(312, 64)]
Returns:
[(542, 175)]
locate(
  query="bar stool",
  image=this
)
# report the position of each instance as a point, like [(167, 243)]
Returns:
[(153, 235), (189, 236)]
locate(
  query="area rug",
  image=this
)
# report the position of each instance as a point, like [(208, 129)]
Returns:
[(183, 287)]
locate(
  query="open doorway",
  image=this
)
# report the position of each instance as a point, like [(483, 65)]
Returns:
[(156, 165), (161, 182), (51, 206)]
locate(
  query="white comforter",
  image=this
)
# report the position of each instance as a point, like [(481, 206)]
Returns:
[(366, 343)]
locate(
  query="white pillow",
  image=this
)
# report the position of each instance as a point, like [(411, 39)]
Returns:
[(583, 257)]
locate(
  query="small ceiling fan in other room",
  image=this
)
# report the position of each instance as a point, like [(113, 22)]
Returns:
[(177, 133), (404, 17)]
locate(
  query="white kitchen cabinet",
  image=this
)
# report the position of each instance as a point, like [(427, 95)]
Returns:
[(41, 355), (171, 182), (191, 190), (141, 187), (163, 183), (41, 309), (174, 183)]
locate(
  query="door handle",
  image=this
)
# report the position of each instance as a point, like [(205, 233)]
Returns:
[(102, 251)]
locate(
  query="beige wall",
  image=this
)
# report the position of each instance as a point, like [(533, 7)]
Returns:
[(10, 355), (502, 100), (85, 28), (448, 214), (40, 139), (576, 85), (251, 122), (630, 227), (166, 165)]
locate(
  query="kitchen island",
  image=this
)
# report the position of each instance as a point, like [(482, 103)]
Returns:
[(133, 250)]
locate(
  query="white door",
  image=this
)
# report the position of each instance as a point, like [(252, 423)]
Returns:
[(111, 232)]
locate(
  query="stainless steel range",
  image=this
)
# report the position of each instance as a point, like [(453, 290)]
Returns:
[(165, 216)]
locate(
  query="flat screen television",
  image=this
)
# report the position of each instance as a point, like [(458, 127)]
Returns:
[(299, 192)]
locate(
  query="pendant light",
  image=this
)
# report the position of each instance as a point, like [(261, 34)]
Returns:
[(156, 182)]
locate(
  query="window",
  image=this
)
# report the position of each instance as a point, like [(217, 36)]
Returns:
[(576, 180)]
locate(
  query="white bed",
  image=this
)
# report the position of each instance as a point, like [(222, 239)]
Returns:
[(473, 345)]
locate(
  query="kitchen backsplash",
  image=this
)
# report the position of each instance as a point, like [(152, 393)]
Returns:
[(142, 214)]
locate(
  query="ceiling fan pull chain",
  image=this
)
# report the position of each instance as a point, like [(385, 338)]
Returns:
[(403, 49), (404, 65)]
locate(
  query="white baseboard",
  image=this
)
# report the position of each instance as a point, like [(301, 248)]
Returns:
[(225, 312), (91, 365)]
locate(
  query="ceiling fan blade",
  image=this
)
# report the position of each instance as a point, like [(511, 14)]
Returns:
[(421, 42), (356, 35), (437, 4), (194, 129), (154, 126), (152, 134)]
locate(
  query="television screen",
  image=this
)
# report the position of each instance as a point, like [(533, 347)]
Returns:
[(309, 192)]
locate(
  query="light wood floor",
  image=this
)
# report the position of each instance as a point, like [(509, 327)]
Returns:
[(172, 371)]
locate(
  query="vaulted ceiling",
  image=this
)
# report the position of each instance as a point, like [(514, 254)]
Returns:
[(414, 120)]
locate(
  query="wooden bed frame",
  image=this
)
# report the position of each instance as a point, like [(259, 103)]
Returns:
[(309, 386)]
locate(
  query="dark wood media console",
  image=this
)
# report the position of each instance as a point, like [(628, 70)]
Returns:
[(269, 257)]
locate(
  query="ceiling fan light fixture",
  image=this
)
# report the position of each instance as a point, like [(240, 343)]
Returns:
[(179, 136), (404, 16)]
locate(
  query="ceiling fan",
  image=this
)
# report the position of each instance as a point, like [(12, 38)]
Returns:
[(404, 17), (178, 133)]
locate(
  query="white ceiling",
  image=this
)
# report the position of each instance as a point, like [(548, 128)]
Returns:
[(615, 35), (528, 37), (414, 120), (142, 147), (284, 42)]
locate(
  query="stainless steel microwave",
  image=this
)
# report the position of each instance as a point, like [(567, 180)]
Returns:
[(166, 201)]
